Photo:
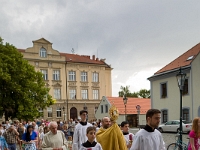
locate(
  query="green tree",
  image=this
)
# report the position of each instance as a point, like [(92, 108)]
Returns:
[(124, 91), (144, 93), (134, 94), (22, 89)]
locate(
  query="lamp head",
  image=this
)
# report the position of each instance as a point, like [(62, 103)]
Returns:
[(63, 108), (180, 79), (125, 99)]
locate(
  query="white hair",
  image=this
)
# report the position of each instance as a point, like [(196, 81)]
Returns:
[(52, 123)]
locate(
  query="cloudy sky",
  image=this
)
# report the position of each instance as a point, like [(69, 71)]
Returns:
[(137, 37)]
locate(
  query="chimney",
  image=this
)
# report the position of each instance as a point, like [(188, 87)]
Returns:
[(103, 60), (97, 59), (93, 57)]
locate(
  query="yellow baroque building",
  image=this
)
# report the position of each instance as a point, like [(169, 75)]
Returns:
[(77, 82)]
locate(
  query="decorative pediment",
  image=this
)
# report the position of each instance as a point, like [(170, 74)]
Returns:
[(84, 84), (94, 84), (57, 85), (72, 84), (42, 40)]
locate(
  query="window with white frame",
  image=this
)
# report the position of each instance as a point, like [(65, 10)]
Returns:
[(185, 87), (163, 88), (58, 112), (102, 109), (164, 116), (43, 52), (57, 93), (106, 108), (45, 74), (95, 77), (40, 110), (49, 112), (56, 75), (84, 76), (84, 94), (72, 76), (72, 94), (186, 114), (95, 94)]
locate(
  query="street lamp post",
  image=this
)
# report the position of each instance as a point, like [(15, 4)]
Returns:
[(138, 113), (64, 112), (125, 102), (85, 108), (181, 79)]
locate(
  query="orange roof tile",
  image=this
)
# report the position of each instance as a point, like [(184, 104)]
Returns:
[(21, 50), (144, 103), (182, 61), (82, 59), (79, 58)]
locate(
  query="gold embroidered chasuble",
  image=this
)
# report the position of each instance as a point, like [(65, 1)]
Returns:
[(111, 138)]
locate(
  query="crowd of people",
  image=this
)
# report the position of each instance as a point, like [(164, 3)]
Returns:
[(84, 135), (29, 135), (37, 134)]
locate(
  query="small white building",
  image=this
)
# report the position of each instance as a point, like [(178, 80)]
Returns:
[(132, 114)]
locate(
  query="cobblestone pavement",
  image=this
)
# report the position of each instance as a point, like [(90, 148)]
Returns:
[(167, 137)]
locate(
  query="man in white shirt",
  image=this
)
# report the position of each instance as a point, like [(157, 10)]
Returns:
[(149, 138), (71, 126), (79, 136), (127, 136), (7, 125), (35, 126), (54, 139)]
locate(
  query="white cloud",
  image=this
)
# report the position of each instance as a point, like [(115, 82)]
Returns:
[(134, 36), (136, 81), (139, 80)]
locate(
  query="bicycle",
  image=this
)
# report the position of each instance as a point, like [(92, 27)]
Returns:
[(179, 145)]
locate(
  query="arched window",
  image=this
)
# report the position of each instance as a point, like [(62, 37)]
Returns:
[(43, 52), (186, 114), (73, 113)]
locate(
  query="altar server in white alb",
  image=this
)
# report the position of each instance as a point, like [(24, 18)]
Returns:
[(127, 136), (91, 144), (149, 138), (79, 136)]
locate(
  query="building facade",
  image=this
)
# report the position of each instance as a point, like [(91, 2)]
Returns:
[(165, 93), (77, 82), (134, 112)]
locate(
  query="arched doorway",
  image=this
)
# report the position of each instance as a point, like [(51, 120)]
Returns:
[(73, 113)]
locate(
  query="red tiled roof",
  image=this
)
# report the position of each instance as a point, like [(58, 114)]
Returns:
[(182, 61), (144, 103), (79, 58), (82, 59), (21, 50)]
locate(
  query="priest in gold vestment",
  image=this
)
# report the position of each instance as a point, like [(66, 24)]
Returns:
[(111, 138)]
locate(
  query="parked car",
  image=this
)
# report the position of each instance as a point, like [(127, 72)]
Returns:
[(173, 126)]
